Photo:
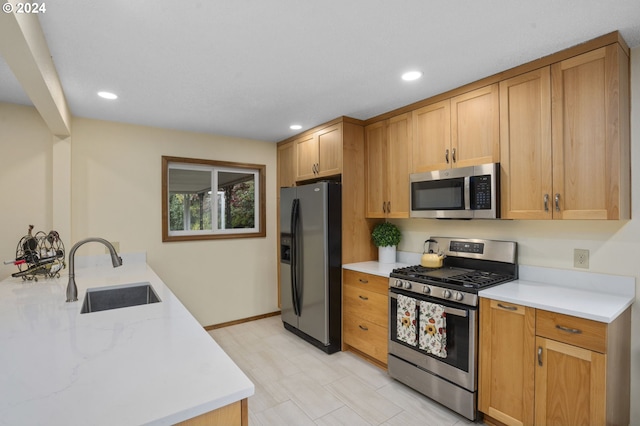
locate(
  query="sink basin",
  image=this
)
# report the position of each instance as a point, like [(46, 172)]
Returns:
[(116, 297)]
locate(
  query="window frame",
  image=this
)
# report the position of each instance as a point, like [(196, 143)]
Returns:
[(215, 166)]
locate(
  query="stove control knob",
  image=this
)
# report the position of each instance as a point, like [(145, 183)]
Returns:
[(447, 294), (458, 296), (426, 289), (398, 283), (407, 285)]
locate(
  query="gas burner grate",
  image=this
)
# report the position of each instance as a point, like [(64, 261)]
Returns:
[(468, 278)]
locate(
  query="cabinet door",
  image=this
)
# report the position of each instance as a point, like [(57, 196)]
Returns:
[(398, 164), (525, 146), (329, 151), (286, 165), (506, 375), (306, 156), (432, 137), (376, 170), (587, 122), (475, 127), (570, 385)]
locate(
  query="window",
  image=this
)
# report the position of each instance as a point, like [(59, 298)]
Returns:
[(207, 199)]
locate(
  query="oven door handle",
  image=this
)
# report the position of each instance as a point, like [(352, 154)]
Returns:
[(447, 309)]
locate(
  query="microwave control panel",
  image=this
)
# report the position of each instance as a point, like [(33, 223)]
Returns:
[(480, 192)]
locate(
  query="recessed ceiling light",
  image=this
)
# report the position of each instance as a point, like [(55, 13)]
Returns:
[(295, 127), (107, 95), (411, 75)]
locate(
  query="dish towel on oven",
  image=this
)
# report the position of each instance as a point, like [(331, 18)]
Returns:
[(433, 329), (406, 320)]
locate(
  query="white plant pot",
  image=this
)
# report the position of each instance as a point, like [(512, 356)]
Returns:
[(387, 254)]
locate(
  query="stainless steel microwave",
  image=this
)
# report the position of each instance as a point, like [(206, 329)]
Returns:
[(462, 193)]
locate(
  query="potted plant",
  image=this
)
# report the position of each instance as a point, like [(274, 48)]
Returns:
[(386, 236)]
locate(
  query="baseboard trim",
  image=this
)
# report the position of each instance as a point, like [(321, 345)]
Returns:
[(240, 321)]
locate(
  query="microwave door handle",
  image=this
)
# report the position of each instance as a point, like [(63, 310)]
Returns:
[(467, 195)]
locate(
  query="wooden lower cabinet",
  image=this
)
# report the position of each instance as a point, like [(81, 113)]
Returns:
[(543, 368), (506, 373), (365, 314), (235, 414)]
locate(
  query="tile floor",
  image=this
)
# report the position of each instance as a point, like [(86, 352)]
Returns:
[(298, 384)]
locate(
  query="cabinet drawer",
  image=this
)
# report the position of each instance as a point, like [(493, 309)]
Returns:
[(575, 331), (365, 336), (364, 281), (366, 304)]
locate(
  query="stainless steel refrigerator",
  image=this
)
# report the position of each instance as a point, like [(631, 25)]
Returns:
[(310, 266)]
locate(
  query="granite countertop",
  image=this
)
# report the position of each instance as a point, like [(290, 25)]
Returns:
[(150, 364)]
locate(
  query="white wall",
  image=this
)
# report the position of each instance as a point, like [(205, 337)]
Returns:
[(25, 178), (614, 246), (116, 194)]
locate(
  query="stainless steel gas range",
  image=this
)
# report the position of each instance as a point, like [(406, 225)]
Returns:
[(433, 318)]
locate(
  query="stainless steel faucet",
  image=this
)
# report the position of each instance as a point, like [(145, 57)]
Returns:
[(72, 290)]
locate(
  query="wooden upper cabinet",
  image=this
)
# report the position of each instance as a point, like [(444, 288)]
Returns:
[(387, 162), (565, 139), (330, 151), (399, 136), (431, 137), (475, 127), (375, 169), (458, 132), (319, 154), (286, 165), (525, 146), (590, 135), (306, 156)]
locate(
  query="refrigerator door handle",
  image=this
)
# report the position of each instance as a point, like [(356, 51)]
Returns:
[(294, 255)]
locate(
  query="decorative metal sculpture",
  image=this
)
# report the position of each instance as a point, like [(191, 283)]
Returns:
[(39, 254)]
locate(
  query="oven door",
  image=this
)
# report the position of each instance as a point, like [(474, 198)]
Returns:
[(459, 364)]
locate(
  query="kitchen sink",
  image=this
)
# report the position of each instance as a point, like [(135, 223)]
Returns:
[(122, 296)]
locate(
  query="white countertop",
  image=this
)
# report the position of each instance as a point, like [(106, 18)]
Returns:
[(149, 364), (374, 267), (598, 297)]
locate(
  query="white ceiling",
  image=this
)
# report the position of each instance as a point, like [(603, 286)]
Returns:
[(250, 68)]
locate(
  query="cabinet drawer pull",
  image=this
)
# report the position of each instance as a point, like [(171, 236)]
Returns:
[(362, 327), (540, 356), (569, 330), (453, 155), (557, 201), (446, 155), (508, 308), (363, 297), (363, 281)]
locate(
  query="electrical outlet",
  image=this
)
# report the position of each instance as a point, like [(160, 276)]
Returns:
[(581, 258), (115, 244)]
